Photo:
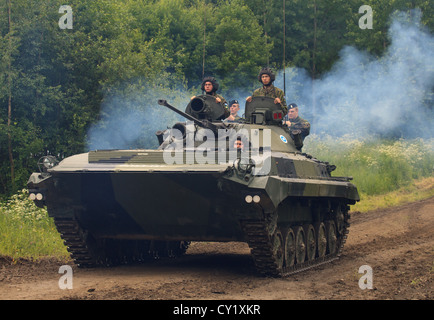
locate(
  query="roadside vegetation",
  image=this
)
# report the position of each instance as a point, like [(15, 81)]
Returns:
[(27, 231), (387, 173), (378, 166)]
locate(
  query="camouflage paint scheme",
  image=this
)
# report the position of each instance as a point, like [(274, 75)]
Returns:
[(134, 194)]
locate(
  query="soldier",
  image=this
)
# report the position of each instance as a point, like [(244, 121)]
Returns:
[(238, 144), (234, 107), (267, 77), (210, 86), (295, 123)]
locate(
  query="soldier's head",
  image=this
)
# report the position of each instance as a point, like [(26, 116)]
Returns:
[(234, 107), (209, 85), (266, 76), (292, 111), (238, 144)]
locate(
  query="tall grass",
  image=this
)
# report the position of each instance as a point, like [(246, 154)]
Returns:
[(378, 166), (26, 231)]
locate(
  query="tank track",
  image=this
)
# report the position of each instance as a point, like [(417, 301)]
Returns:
[(267, 257), (88, 252), (73, 239)]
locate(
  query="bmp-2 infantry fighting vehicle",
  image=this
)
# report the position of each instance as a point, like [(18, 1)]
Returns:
[(209, 180)]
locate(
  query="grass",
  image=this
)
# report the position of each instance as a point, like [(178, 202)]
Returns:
[(386, 173), (416, 191), (377, 166), (26, 231)]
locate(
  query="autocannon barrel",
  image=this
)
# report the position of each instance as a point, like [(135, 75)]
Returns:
[(204, 123), (163, 102)]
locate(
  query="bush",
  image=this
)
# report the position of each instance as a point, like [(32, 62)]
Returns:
[(377, 165), (27, 231)]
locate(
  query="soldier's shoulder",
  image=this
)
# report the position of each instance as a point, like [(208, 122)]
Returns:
[(304, 122), (278, 89)]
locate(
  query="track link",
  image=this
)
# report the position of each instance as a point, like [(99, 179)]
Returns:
[(74, 240), (88, 252), (264, 252)]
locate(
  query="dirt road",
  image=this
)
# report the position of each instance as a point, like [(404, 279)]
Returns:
[(397, 243)]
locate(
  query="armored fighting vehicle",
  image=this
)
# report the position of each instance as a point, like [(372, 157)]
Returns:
[(209, 180)]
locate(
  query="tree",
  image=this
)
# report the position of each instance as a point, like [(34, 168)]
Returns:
[(174, 29), (8, 46), (376, 41), (236, 46)]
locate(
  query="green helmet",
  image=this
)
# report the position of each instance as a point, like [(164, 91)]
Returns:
[(267, 71), (215, 85)]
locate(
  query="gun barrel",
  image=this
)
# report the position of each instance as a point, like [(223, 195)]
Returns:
[(203, 124), (163, 102)]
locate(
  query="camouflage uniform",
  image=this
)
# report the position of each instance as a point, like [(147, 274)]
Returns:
[(272, 92), (223, 102), (215, 87), (237, 119), (299, 124)]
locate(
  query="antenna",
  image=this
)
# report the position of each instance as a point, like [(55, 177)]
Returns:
[(204, 38), (284, 49), (265, 30)]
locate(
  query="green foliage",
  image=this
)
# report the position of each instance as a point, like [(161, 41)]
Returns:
[(376, 40), (58, 81), (377, 165), (26, 231), (236, 48)]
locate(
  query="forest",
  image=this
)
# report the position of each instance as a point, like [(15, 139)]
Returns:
[(89, 77)]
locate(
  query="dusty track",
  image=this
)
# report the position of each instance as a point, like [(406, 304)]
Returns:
[(397, 243)]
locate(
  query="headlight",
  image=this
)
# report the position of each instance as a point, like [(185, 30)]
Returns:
[(46, 163)]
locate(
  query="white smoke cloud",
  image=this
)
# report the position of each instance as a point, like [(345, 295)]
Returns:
[(363, 95), (131, 116)]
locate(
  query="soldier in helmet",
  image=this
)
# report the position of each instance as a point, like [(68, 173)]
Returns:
[(210, 86), (295, 123), (267, 77)]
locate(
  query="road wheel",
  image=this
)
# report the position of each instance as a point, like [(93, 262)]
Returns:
[(300, 246), (310, 243), (278, 246), (332, 237), (290, 248), (322, 240)]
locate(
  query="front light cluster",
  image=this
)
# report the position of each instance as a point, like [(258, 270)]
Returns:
[(255, 198), (47, 162), (36, 196)]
